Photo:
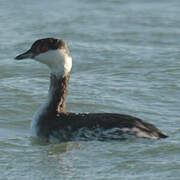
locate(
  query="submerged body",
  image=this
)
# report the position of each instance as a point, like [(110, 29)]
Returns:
[(52, 120), (68, 126)]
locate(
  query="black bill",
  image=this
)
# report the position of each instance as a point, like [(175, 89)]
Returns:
[(27, 54)]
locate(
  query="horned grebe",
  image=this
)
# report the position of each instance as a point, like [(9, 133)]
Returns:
[(52, 120)]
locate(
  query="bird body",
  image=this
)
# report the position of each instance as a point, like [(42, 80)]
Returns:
[(53, 120)]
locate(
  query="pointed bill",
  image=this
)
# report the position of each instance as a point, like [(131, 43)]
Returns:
[(27, 54)]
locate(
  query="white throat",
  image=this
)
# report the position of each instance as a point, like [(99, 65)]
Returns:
[(59, 62)]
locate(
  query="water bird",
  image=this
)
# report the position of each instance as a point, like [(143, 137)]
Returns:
[(52, 120)]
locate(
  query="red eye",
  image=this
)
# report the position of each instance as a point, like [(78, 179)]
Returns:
[(44, 49)]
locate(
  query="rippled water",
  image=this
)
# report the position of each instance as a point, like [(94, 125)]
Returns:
[(126, 59)]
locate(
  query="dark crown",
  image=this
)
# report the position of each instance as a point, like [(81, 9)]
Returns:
[(43, 45)]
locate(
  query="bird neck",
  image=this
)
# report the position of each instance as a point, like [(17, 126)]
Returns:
[(57, 93)]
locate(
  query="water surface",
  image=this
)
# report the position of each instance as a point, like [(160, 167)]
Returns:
[(125, 60)]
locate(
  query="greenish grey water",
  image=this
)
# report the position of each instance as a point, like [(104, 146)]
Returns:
[(126, 59)]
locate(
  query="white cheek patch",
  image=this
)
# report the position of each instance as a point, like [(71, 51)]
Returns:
[(68, 64), (58, 61)]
